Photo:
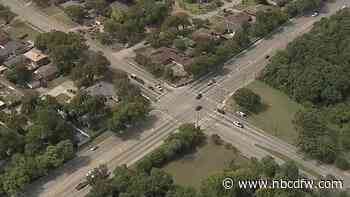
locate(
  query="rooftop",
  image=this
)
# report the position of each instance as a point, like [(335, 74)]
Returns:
[(11, 48), (35, 55), (46, 71), (102, 88), (166, 55)]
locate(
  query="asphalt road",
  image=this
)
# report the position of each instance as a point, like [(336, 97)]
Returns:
[(177, 107)]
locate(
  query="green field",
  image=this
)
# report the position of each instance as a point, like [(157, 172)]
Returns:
[(58, 14), (18, 29), (278, 116), (209, 159), (197, 8)]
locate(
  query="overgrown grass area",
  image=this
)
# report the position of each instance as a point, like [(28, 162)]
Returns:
[(198, 8), (278, 116), (19, 29), (59, 15), (245, 3), (207, 160)]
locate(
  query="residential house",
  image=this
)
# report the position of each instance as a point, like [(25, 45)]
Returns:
[(104, 89), (11, 62), (204, 34), (46, 73), (230, 22), (11, 49), (36, 59)]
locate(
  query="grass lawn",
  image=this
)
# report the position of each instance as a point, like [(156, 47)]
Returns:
[(63, 18), (59, 15), (18, 29), (277, 118), (209, 159), (197, 8), (245, 3)]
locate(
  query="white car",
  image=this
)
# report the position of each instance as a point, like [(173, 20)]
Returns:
[(344, 6), (315, 14), (241, 114), (237, 124), (93, 148)]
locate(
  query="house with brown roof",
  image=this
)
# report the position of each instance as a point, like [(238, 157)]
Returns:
[(204, 34), (169, 57), (36, 59), (230, 21)]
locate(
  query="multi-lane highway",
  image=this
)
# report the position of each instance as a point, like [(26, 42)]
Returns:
[(178, 106)]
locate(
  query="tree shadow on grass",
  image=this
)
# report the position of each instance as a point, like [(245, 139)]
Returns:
[(261, 108)]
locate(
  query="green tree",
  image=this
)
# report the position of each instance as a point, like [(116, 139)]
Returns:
[(247, 100), (10, 142), (101, 7), (19, 75), (76, 12), (6, 14)]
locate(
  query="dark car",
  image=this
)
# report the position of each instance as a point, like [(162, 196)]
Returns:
[(221, 111), (81, 185), (199, 96), (198, 108), (267, 57)]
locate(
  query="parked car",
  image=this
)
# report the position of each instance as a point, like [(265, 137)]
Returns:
[(238, 124), (94, 148), (344, 6), (211, 82), (81, 185), (199, 96), (241, 114), (198, 108)]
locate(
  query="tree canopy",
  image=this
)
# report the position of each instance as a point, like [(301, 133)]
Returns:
[(314, 70)]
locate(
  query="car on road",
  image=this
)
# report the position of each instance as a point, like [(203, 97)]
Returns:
[(315, 14), (211, 82), (267, 57), (133, 76), (159, 86), (344, 6), (221, 111), (81, 185), (198, 108), (238, 124), (199, 96), (93, 148), (241, 114)]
